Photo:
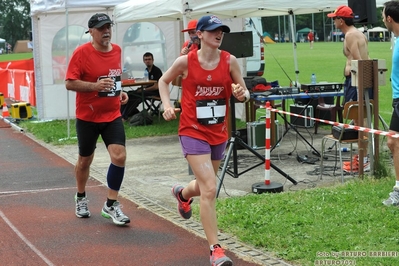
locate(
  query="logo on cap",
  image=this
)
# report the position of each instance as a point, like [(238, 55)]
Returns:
[(214, 19), (98, 20)]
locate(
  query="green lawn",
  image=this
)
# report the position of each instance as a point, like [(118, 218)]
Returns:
[(12, 57), (315, 224), (327, 61)]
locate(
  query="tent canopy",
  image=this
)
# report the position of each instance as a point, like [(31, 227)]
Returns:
[(84, 6), (301, 35), (378, 29), (161, 10), (2, 40), (305, 30), (265, 33), (375, 29), (372, 34)]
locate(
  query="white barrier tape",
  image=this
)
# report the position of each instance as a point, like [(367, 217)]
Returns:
[(364, 129)]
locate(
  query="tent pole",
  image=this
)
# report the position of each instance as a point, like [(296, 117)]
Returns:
[(67, 60), (186, 17), (291, 16)]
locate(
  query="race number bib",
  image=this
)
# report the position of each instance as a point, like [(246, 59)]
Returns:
[(211, 112), (115, 91)]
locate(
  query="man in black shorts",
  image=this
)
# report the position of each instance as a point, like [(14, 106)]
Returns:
[(96, 79)]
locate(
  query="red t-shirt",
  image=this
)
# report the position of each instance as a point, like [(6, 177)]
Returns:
[(193, 46), (88, 64), (205, 100), (310, 36)]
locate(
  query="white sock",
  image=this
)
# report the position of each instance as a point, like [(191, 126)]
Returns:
[(397, 183)]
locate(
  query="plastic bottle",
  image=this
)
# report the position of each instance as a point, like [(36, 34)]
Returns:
[(145, 75), (313, 79)]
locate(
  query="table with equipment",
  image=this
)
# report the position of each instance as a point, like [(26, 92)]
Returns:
[(141, 83), (260, 98), (316, 91)]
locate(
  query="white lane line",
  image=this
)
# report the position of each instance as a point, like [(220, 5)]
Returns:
[(41, 190), (26, 240)]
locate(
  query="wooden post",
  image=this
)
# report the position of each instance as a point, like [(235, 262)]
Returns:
[(367, 78)]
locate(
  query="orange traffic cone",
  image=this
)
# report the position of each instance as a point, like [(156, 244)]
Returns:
[(5, 110)]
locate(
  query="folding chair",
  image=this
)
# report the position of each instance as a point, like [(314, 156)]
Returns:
[(351, 112), (153, 105)]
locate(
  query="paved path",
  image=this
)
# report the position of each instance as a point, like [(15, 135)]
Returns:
[(39, 227)]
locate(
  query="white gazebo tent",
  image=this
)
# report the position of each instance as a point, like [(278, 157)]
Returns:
[(378, 30), (3, 41), (50, 19), (374, 30), (58, 27)]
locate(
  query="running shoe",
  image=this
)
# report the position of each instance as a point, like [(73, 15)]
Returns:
[(393, 198), (115, 212), (184, 208), (355, 159), (355, 167), (81, 210), (218, 258)]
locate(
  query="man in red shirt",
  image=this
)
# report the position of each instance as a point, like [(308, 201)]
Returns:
[(311, 38), (193, 43), (94, 73)]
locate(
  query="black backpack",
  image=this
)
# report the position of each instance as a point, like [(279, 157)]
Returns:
[(138, 120), (251, 82)]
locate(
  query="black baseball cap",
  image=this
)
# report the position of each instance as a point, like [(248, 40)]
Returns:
[(211, 22), (98, 20)]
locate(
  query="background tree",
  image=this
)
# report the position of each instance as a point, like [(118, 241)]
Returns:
[(322, 25), (15, 20)]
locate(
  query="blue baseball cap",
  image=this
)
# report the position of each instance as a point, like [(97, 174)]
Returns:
[(211, 22)]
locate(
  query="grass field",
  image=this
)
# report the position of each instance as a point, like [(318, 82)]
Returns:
[(327, 61), (19, 56)]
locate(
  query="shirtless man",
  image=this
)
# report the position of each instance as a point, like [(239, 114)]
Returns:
[(355, 45), (355, 48)]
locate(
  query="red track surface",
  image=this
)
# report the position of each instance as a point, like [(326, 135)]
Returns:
[(38, 225)]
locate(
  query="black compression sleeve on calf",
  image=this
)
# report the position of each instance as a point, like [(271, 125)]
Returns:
[(115, 176)]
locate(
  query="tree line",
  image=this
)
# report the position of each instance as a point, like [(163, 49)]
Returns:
[(15, 20), (320, 23)]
